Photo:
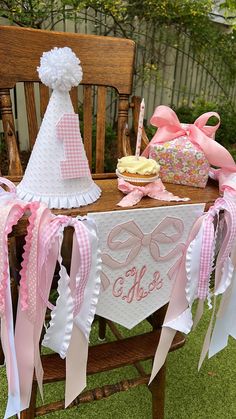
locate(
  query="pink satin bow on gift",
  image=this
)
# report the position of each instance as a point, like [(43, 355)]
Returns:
[(154, 190), (169, 128)]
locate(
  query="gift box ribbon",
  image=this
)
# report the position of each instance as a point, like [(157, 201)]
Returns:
[(169, 128)]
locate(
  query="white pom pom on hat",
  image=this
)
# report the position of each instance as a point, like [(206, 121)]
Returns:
[(60, 69), (51, 176)]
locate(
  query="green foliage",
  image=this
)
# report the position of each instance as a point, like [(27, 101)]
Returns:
[(32, 13), (226, 134), (169, 11), (47, 13), (176, 18), (228, 9)]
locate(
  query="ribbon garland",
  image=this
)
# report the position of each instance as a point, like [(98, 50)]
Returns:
[(193, 277), (212, 236), (41, 252)]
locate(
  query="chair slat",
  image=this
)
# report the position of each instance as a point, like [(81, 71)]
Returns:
[(74, 98), (44, 98), (87, 134), (111, 355), (31, 112), (100, 135)]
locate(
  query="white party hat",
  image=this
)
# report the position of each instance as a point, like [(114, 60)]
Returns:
[(58, 172)]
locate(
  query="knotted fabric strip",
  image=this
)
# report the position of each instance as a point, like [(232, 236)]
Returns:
[(155, 190), (178, 315), (30, 314), (73, 314)]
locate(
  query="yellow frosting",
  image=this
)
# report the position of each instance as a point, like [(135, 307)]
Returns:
[(140, 165)]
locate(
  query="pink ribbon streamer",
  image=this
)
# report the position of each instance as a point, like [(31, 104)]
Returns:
[(226, 179), (169, 128), (11, 210), (208, 245), (177, 306), (30, 319), (8, 217), (43, 255), (154, 190), (74, 340)]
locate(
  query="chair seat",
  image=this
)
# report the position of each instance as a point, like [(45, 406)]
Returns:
[(111, 355)]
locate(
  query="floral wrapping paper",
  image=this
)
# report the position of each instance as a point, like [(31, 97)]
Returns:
[(181, 162)]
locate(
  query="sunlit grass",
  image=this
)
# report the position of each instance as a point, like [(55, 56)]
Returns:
[(210, 393)]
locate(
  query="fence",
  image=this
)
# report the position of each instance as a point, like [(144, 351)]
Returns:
[(166, 72)]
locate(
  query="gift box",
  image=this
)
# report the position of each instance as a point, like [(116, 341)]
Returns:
[(184, 151), (181, 162)]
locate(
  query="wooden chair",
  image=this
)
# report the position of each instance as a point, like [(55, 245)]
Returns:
[(106, 62)]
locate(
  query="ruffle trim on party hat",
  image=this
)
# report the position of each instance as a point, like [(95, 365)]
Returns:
[(62, 201)]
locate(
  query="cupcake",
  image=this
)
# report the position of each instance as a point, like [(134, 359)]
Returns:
[(137, 170)]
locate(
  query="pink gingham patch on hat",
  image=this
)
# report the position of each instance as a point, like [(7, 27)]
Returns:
[(75, 164)]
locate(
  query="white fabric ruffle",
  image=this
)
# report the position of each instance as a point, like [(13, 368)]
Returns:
[(62, 201), (226, 278), (86, 314), (192, 265), (58, 334)]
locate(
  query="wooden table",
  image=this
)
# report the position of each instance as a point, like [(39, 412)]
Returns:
[(111, 196)]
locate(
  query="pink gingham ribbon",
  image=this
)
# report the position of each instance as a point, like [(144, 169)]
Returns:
[(208, 242), (57, 226), (85, 265)]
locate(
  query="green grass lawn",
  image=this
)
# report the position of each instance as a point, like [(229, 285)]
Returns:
[(210, 393)]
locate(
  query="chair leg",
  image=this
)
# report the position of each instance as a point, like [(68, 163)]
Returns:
[(102, 328), (30, 412), (2, 358), (157, 388)]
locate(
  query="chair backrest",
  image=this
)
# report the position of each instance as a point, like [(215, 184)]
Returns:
[(106, 62)]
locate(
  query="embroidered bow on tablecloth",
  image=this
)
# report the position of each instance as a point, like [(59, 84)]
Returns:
[(69, 329), (136, 240)]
